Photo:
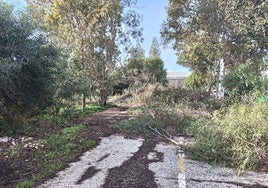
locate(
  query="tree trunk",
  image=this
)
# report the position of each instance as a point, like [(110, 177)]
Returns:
[(103, 97), (83, 102), (220, 88)]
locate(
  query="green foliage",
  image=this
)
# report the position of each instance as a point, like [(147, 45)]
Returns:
[(197, 81), (262, 96), (153, 69), (242, 80), (155, 49), (93, 33), (59, 121), (90, 108), (237, 136), (28, 68), (195, 28), (25, 184), (139, 125), (59, 148), (62, 142), (205, 33), (249, 18), (138, 72)]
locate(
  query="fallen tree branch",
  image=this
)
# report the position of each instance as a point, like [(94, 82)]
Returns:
[(163, 135)]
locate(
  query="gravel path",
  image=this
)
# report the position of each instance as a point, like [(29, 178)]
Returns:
[(201, 174), (119, 162), (111, 152)]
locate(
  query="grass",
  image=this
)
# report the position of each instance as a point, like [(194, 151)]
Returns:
[(90, 108), (25, 184), (59, 148), (237, 136), (55, 121)]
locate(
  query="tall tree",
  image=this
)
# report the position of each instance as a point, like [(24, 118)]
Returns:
[(212, 35), (155, 48), (136, 52), (200, 35), (249, 20), (93, 31)]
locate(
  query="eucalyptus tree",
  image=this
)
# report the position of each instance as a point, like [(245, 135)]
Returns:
[(93, 31), (200, 35), (249, 20), (214, 35)]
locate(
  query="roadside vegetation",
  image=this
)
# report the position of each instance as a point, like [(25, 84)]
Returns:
[(57, 150), (59, 66), (236, 136), (47, 143)]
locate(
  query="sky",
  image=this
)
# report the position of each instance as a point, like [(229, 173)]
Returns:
[(154, 13)]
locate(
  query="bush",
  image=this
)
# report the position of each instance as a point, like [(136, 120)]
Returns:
[(237, 135), (162, 117), (139, 125), (196, 100), (28, 68)]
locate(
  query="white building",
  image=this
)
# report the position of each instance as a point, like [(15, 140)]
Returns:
[(177, 79)]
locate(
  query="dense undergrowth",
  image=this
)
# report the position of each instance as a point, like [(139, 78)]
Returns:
[(236, 136), (167, 110), (58, 149), (56, 141), (231, 132), (52, 120)]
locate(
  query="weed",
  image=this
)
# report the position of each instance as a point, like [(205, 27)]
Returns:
[(47, 168), (59, 121), (25, 184), (90, 108), (238, 135), (14, 150), (59, 148)]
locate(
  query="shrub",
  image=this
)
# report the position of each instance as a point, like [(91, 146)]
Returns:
[(196, 100), (237, 135), (162, 117), (139, 125)]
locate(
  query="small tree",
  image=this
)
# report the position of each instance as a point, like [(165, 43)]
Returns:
[(153, 70), (155, 49)]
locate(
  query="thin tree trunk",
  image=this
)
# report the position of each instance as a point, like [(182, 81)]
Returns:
[(220, 88), (83, 102)]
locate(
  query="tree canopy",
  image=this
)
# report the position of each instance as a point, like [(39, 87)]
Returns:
[(93, 31), (210, 34), (27, 67)]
